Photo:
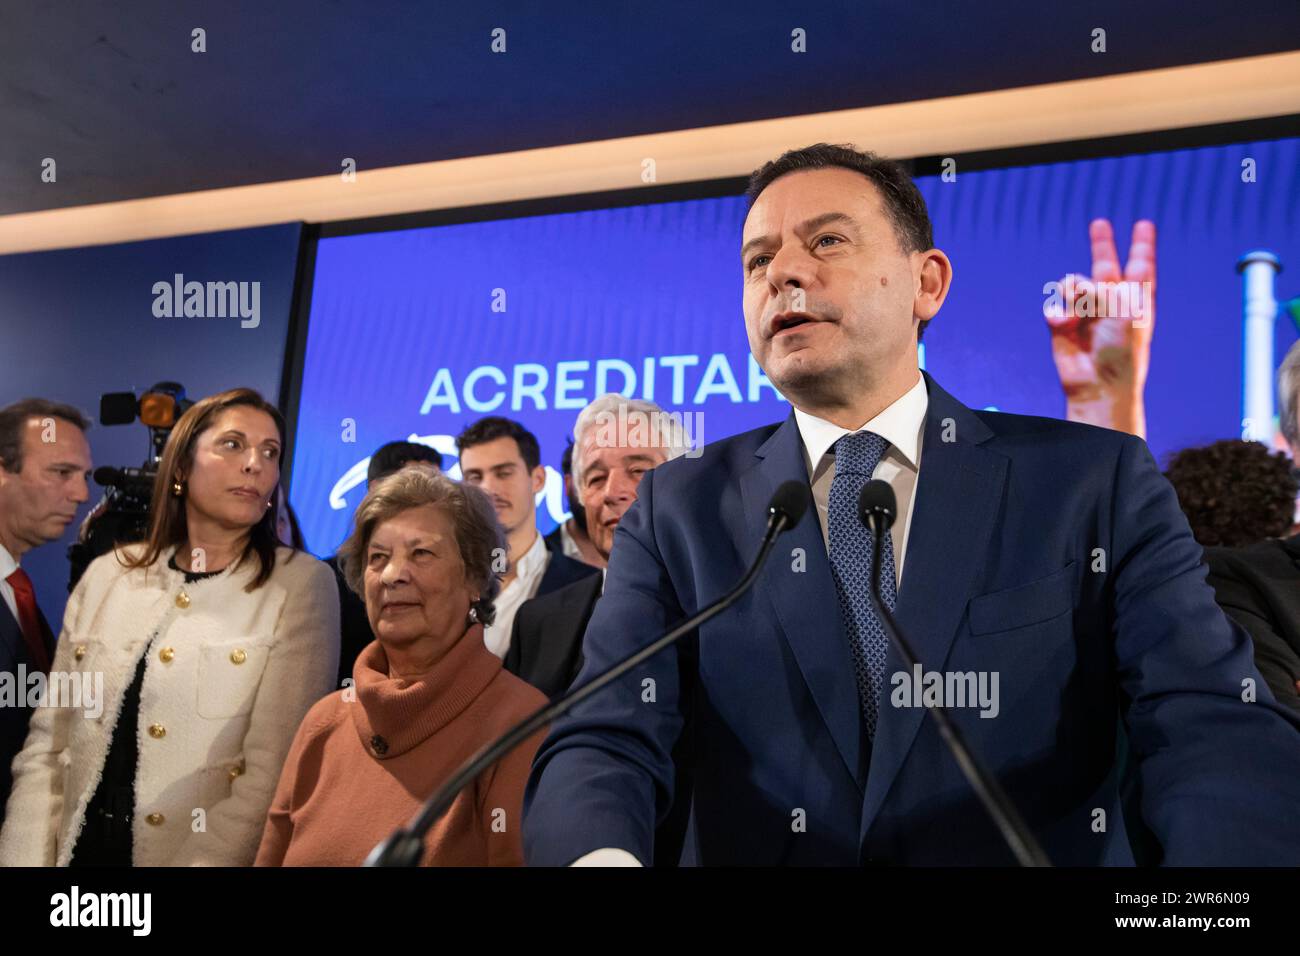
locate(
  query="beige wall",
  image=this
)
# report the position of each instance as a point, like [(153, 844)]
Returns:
[(1226, 91)]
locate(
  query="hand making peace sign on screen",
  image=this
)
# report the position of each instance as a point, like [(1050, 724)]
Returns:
[(1101, 330)]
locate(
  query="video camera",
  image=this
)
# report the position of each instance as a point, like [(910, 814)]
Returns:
[(122, 514)]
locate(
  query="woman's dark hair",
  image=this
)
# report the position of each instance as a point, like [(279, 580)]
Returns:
[(167, 526), (1234, 493)]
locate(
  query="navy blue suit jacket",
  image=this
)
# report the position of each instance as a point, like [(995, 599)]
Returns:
[(14, 720), (1051, 553)]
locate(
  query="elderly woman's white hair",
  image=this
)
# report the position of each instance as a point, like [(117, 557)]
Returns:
[(665, 429)]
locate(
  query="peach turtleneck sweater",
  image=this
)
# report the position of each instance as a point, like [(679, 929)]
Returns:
[(359, 768)]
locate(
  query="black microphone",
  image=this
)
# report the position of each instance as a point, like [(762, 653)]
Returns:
[(405, 846), (877, 509)]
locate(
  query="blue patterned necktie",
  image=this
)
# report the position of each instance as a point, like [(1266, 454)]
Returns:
[(856, 457)]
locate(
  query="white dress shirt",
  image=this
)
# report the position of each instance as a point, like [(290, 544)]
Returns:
[(7, 567), (569, 547), (902, 424), (528, 578)]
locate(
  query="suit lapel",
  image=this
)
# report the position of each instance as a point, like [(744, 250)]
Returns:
[(11, 635), (805, 603), (958, 495)]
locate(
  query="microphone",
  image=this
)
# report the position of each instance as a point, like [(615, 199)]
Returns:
[(405, 845), (877, 509)]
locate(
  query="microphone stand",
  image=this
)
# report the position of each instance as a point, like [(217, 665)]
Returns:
[(999, 806), (406, 844)]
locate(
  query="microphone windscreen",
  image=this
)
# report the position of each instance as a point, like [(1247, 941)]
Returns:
[(791, 500), (877, 497)]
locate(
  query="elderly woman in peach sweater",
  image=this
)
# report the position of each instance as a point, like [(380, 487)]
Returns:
[(428, 693)]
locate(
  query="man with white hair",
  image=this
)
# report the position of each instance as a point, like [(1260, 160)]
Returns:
[(616, 441)]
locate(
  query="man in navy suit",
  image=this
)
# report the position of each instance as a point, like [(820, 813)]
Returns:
[(1044, 562), (44, 468)]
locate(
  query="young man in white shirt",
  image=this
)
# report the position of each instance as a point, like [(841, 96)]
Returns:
[(503, 459)]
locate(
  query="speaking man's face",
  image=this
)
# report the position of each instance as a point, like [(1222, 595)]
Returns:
[(830, 295)]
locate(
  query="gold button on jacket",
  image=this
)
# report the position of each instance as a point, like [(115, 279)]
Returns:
[(238, 656), (156, 819), (157, 731), (79, 651), (166, 654), (182, 600)]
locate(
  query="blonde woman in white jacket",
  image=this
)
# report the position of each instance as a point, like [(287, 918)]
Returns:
[(213, 642)]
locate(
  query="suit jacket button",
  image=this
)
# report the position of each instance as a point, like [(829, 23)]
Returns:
[(182, 600), (157, 731), (156, 819), (379, 745), (166, 655), (236, 772), (238, 656), (79, 651)]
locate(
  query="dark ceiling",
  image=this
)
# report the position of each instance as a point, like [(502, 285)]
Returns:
[(288, 88)]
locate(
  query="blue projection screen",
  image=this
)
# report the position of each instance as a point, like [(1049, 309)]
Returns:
[(413, 334)]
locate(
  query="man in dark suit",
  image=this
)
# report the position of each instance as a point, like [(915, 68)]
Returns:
[(1043, 562), (44, 470), (1259, 586), (546, 644)]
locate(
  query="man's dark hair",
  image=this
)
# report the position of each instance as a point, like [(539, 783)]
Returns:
[(903, 201), (14, 418), (575, 508), (566, 460), (390, 458), (1234, 493), (491, 428)]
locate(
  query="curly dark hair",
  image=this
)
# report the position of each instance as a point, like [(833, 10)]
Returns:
[(1234, 493)]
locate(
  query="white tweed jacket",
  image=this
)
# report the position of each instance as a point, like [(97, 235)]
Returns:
[(229, 676)]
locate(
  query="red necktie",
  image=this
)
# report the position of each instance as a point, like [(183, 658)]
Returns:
[(29, 619)]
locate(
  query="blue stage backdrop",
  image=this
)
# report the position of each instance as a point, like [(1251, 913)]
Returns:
[(416, 333)]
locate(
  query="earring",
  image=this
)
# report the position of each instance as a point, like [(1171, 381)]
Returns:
[(473, 614), (176, 489)]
